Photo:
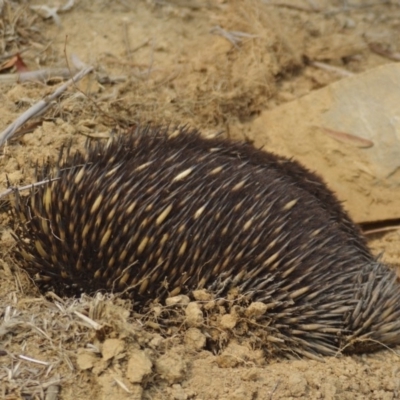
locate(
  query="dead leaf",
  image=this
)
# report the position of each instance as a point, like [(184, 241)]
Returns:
[(15, 61), (348, 138)]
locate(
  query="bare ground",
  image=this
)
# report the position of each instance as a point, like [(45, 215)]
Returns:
[(215, 65)]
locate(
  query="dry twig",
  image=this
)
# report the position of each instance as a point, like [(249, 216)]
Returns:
[(32, 185), (41, 105), (41, 75), (235, 37), (379, 49), (331, 68)]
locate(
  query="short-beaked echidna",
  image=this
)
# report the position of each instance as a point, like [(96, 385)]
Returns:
[(155, 213)]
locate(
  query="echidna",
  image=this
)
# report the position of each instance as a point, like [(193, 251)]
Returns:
[(155, 213)]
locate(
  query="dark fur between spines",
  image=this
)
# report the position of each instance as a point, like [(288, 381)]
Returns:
[(154, 213)]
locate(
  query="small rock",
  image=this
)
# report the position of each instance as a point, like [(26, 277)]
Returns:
[(202, 295), (139, 366), (157, 311), (11, 166), (297, 384), (108, 389), (178, 393), (256, 309), (232, 356), (171, 367), (250, 374), (228, 321), (136, 392), (111, 348), (194, 315), (194, 339), (210, 305), (15, 177), (177, 300), (86, 360), (155, 341), (236, 354), (243, 393)]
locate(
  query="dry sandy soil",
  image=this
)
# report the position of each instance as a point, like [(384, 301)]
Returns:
[(212, 64)]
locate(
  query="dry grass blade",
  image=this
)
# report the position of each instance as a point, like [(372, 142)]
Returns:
[(88, 320), (345, 137), (52, 392), (18, 27), (311, 9), (33, 360)]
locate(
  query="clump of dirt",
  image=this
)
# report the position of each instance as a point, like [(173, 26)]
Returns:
[(211, 64)]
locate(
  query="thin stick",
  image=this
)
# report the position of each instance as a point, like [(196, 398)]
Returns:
[(41, 105), (140, 46), (128, 50), (331, 68), (13, 189), (30, 359), (380, 230), (32, 185), (379, 49), (88, 320), (41, 75)]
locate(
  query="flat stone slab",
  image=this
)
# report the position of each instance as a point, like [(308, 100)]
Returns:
[(349, 133)]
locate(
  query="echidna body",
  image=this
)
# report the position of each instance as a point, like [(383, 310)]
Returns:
[(154, 213)]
